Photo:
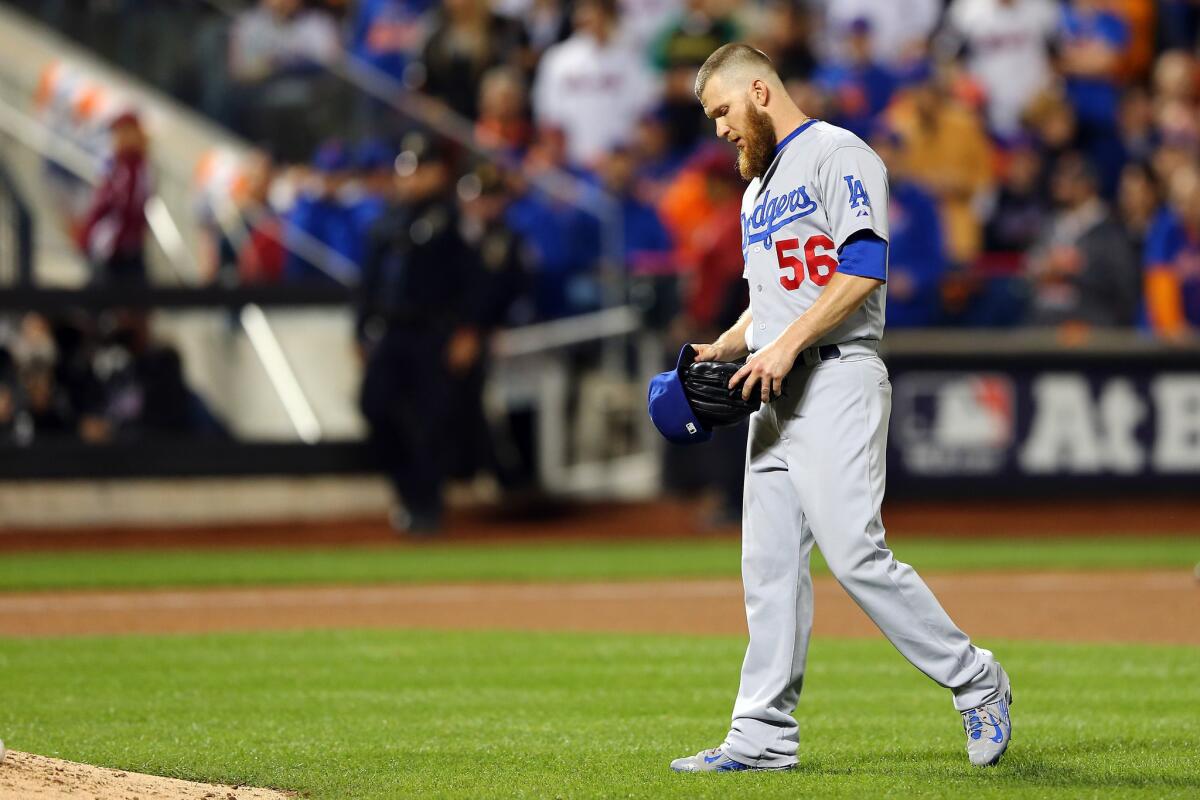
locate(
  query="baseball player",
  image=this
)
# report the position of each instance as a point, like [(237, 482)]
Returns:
[(814, 241)]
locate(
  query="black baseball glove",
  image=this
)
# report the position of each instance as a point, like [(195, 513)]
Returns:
[(706, 386)]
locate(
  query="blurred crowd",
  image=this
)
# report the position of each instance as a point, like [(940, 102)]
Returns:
[(97, 379), (1044, 156), (1044, 161)]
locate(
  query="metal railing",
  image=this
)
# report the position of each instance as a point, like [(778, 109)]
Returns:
[(16, 233), (541, 348), (54, 147), (50, 145)]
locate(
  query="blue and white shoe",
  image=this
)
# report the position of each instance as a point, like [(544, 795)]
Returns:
[(989, 727), (716, 760)]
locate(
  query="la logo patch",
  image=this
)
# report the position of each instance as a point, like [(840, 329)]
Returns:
[(858, 196)]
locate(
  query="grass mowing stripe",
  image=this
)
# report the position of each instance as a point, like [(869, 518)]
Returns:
[(382, 714), (617, 560)]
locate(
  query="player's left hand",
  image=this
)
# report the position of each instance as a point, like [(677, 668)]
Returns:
[(766, 369)]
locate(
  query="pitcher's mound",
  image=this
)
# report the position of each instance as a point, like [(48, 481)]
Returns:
[(24, 775)]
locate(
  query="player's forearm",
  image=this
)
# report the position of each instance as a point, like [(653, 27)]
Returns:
[(842, 295), (732, 343)]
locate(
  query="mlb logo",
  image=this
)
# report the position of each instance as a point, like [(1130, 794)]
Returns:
[(955, 422), (691, 428)]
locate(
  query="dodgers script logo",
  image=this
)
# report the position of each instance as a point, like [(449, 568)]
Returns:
[(772, 213)]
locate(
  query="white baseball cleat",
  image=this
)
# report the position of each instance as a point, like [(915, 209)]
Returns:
[(716, 760), (989, 727)]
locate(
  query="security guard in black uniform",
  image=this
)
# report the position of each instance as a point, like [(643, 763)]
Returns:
[(507, 264), (419, 326)]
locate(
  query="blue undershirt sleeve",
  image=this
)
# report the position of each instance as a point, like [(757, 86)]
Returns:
[(865, 255)]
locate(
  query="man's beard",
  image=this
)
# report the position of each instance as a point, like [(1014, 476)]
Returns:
[(758, 145)]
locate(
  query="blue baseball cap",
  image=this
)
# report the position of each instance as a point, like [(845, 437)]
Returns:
[(669, 407), (331, 156), (374, 154)]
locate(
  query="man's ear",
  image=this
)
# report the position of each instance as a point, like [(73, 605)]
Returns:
[(760, 93)]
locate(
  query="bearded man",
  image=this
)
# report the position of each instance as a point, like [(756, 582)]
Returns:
[(814, 244)]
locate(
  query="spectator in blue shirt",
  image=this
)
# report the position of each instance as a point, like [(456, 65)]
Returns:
[(1093, 40), (1172, 260), (916, 250), (374, 161), (648, 248), (319, 216), (385, 36), (658, 162), (1178, 24), (564, 243), (859, 88), (647, 244), (564, 240)]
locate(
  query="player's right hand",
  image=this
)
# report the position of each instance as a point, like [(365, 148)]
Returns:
[(707, 352)]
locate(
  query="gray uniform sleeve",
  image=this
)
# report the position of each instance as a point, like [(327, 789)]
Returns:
[(854, 187)]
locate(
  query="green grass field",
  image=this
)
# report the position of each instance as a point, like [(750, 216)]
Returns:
[(415, 714), (618, 560), (369, 714)]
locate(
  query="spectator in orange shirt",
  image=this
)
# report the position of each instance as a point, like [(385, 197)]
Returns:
[(686, 206), (946, 152), (716, 293)]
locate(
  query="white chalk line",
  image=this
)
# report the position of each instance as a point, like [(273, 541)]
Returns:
[(325, 596)]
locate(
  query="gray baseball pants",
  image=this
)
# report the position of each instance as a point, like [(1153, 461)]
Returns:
[(815, 474)]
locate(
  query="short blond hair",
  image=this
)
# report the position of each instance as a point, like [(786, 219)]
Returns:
[(732, 56)]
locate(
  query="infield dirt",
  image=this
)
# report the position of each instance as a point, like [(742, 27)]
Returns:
[(32, 777), (1143, 606)]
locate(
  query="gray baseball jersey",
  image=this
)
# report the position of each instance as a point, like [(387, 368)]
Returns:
[(824, 185), (815, 460)]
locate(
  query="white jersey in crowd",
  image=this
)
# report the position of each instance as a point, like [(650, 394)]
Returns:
[(824, 185), (898, 27), (1008, 52), (594, 92), (643, 20), (260, 43)]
